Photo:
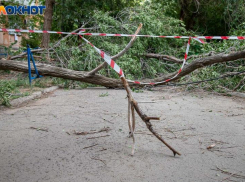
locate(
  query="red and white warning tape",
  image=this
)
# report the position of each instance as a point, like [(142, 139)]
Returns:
[(222, 37), (38, 31), (123, 35), (162, 36)]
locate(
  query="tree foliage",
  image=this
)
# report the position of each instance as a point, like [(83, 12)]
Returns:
[(209, 17)]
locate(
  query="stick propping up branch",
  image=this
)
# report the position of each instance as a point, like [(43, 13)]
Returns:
[(144, 117)]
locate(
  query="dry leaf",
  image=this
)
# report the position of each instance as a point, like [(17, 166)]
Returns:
[(211, 146)]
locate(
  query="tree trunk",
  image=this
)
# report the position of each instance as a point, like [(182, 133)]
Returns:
[(48, 70), (47, 22)]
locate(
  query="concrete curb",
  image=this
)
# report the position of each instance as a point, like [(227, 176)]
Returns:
[(35, 95), (237, 94)]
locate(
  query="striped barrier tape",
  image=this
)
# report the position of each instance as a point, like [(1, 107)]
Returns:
[(38, 31), (94, 34), (125, 35)]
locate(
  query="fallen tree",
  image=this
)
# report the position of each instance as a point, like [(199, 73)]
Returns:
[(83, 76)]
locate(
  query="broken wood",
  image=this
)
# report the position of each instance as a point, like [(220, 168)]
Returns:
[(92, 132), (230, 173), (98, 137), (90, 146), (103, 149), (39, 129), (98, 159)]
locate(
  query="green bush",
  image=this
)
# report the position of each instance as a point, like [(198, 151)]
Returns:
[(33, 41), (6, 87)]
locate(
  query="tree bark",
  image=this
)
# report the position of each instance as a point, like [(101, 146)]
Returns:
[(47, 22), (48, 70)]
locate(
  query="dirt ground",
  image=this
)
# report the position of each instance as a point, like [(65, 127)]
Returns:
[(37, 141)]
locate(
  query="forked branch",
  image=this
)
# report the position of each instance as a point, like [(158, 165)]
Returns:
[(144, 117)]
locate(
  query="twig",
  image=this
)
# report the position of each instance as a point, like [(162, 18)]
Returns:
[(108, 121), (58, 42), (98, 137), (98, 159), (238, 85), (129, 44), (102, 150), (39, 129), (24, 53), (233, 174), (168, 130), (93, 132), (228, 177), (219, 142), (90, 146), (62, 63)]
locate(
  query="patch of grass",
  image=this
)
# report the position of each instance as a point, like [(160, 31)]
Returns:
[(6, 88), (136, 90), (18, 95), (104, 94), (19, 87)]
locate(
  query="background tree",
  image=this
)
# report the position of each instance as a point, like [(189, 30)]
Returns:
[(209, 17), (47, 25)]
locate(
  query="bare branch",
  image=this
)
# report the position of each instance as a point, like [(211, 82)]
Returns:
[(119, 54), (129, 44), (199, 63), (239, 84), (24, 53), (58, 42)]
